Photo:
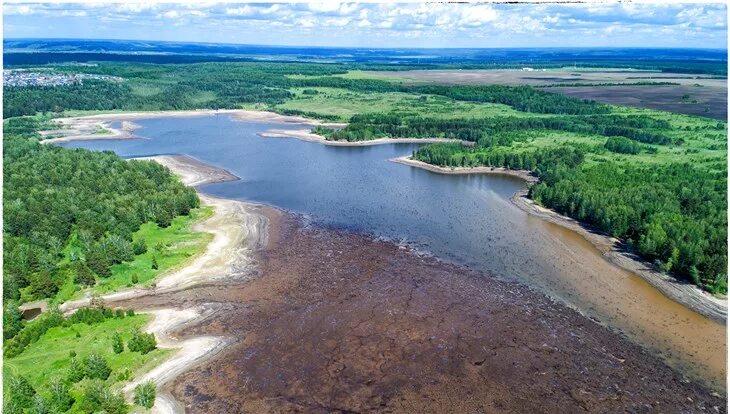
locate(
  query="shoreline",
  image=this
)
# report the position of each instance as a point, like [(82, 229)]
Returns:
[(686, 294), (239, 229), (83, 128), (308, 136)]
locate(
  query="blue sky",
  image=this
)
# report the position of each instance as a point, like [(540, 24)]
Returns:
[(379, 25)]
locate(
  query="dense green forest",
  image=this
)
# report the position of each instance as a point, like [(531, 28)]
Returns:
[(70, 214), (655, 179)]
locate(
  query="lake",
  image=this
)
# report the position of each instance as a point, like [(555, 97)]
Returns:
[(467, 219)]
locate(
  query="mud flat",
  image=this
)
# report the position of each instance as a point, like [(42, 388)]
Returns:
[(688, 295), (307, 135), (340, 322)]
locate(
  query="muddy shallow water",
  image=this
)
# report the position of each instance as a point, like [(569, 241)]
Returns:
[(467, 220), (339, 322)]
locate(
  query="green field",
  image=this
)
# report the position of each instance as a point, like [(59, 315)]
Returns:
[(50, 356)]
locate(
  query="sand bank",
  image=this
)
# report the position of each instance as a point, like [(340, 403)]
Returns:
[(239, 229), (612, 248), (307, 135), (190, 352), (100, 126)]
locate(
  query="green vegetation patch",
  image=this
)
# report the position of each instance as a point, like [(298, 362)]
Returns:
[(87, 346)]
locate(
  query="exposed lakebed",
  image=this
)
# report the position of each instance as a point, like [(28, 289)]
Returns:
[(468, 220)]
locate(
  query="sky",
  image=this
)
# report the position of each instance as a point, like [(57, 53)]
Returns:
[(379, 24)]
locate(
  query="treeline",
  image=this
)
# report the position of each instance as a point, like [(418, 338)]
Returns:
[(521, 98), (490, 131), (673, 215), (56, 197)]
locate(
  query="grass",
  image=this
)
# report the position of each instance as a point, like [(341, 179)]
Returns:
[(172, 247), (49, 357), (344, 103)]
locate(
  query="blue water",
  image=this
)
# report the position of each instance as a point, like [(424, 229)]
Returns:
[(467, 219)]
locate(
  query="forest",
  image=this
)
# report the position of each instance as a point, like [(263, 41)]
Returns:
[(56, 198), (654, 179)]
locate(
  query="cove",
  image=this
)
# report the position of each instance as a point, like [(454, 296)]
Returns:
[(465, 219)]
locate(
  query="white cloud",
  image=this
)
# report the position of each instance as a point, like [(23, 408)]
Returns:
[(478, 15), (171, 14), (240, 11)]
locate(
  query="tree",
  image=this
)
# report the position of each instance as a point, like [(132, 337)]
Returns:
[(98, 261), (83, 275), (144, 394), (97, 367), (20, 391), (155, 266), (117, 344), (12, 319), (139, 246), (61, 400), (142, 342), (76, 371)]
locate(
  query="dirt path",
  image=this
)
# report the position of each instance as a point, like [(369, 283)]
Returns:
[(687, 294)]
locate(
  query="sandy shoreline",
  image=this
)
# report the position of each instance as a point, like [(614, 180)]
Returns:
[(306, 135), (88, 127), (239, 229), (688, 295)]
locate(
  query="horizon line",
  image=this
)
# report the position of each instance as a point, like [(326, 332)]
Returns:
[(725, 49)]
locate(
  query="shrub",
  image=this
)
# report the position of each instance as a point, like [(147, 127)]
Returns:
[(142, 342), (76, 371), (61, 401), (130, 312), (32, 332), (117, 344), (20, 391), (139, 246), (144, 394), (155, 266), (97, 367), (135, 279)]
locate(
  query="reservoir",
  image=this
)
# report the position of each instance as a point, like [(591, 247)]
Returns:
[(466, 219)]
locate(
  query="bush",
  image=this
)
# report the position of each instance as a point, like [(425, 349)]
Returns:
[(76, 371), (144, 394), (130, 312), (155, 266), (20, 391), (60, 401), (142, 342), (97, 397), (139, 246), (97, 367), (135, 279), (117, 344), (83, 275)]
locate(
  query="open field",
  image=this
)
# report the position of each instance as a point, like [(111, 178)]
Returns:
[(344, 103), (693, 94)]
